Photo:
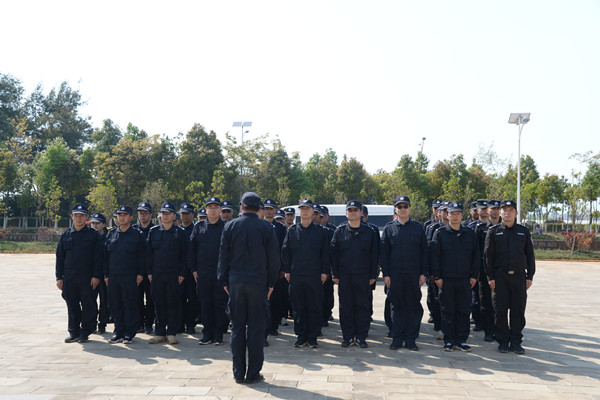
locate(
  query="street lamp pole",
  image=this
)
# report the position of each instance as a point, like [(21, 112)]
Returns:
[(243, 125), (519, 119)]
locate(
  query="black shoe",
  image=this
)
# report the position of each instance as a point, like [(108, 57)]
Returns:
[(463, 347), (503, 348), (477, 328), (272, 332), (472, 321), (218, 342), (325, 324), (266, 343), (396, 344), (205, 340), (239, 381), (258, 379), (412, 346), (320, 334), (72, 339), (448, 347), (83, 339), (140, 329), (148, 329), (313, 344), (330, 318), (346, 343), (489, 337), (430, 320), (517, 348), (190, 331), (362, 343), (115, 339), (389, 334), (300, 343), (127, 340), (101, 329)]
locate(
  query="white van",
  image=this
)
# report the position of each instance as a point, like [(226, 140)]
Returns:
[(378, 214)]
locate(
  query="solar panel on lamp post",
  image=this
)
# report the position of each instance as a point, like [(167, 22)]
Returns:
[(519, 119), (243, 125)]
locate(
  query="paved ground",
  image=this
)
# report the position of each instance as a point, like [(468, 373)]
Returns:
[(562, 360)]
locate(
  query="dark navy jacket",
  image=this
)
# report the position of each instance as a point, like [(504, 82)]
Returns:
[(166, 251), (354, 251), (404, 249), (454, 254), (145, 230), (204, 247), (79, 254), (509, 248), (305, 251), (280, 231), (249, 252), (124, 252)]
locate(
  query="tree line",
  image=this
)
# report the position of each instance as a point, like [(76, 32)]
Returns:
[(51, 157)]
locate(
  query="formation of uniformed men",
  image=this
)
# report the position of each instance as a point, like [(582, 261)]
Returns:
[(222, 270)]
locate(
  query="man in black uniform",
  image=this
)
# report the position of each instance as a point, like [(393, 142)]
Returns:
[(434, 206), (123, 273), (474, 215), (280, 217), (248, 269), (328, 298), (190, 304), (365, 220), (485, 293), (433, 292), (354, 267), (279, 298), (226, 210), (405, 265), (203, 259), (305, 261), (201, 215), (455, 267), (98, 222), (166, 262), (79, 259), (290, 216), (510, 269), (144, 212), (484, 216)]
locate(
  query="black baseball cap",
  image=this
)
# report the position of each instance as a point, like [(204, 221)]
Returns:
[(79, 209), (251, 199), (227, 205), (365, 211), (125, 210), (508, 203), (402, 199), (167, 207), (354, 204), (494, 203), (289, 210), (279, 214), (436, 203), (270, 203), (144, 207), (202, 213), (474, 205), (186, 208), (213, 200), (306, 203), (455, 207), (482, 203), (97, 217)]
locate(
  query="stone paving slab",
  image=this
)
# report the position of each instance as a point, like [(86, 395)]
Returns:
[(561, 339)]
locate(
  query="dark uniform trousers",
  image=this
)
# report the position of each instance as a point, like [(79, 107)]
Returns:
[(433, 304), (81, 306), (122, 293), (307, 299), (166, 292), (476, 305), (455, 302), (355, 309), (103, 311), (213, 302), (278, 303), (407, 311), (510, 294), (190, 304), (146, 310), (248, 308), (487, 307), (387, 309)]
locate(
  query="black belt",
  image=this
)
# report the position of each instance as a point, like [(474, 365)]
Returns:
[(510, 271)]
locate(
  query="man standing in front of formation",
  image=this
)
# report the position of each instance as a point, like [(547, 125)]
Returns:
[(248, 269), (79, 258), (405, 265)]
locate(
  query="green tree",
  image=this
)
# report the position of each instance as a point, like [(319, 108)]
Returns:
[(106, 137), (321, 177), (217, 187), (52, 197), (591, 186), (103, 199), (156, 193), (11, 107), (194, 194), (8, 177), (134, 133), (350, 179)]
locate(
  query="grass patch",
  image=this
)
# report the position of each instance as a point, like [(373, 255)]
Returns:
[(566, 255), (27, 247)]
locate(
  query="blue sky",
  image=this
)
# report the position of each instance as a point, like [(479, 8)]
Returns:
[(368, 79)]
